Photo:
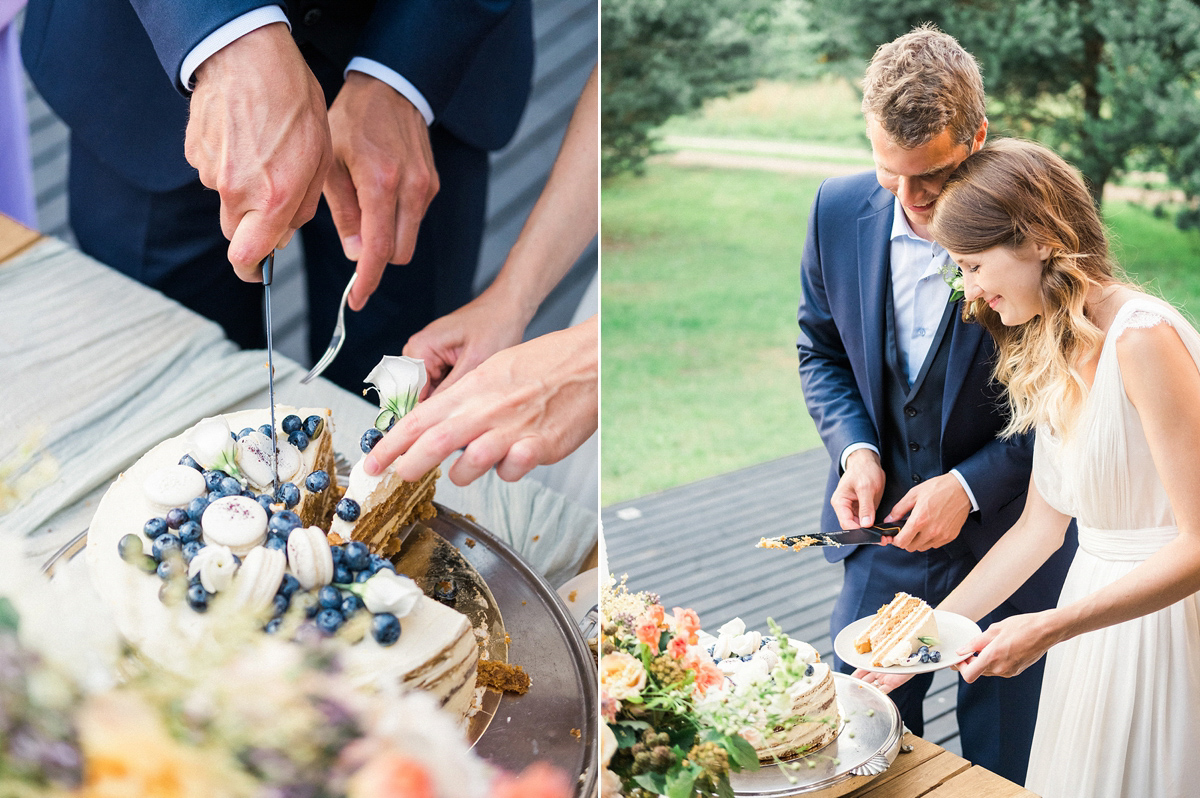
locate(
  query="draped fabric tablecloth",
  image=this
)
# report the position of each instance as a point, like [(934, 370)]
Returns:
[(95, 369)]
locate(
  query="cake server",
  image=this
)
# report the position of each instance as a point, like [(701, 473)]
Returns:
[(268, 269)]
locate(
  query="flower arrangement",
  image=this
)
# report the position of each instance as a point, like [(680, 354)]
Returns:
[(953, 277), (272, 720), (653, 679)]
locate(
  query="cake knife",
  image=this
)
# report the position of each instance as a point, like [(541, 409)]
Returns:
[(268, 269), (869, 535)]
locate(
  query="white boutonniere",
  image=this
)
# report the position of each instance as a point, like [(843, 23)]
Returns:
[(953, 277)]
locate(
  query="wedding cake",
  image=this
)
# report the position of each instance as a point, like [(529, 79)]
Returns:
[(898, 631), (194, 522), (748, 658)]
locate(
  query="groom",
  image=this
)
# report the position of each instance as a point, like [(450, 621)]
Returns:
[(900, 387)]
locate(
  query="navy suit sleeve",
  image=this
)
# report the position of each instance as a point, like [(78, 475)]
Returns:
[(998, 473), (175, 27), (430, 42), (830, 389)]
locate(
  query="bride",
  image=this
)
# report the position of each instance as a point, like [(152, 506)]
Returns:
[(1108, 376)]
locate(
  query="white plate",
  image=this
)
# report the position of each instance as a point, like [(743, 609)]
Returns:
[(581, 594), (954, 632)]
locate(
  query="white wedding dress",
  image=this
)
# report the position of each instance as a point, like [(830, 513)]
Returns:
[(1120, 706)]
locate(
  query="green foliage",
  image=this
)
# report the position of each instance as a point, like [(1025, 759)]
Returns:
[(9, 621), (1106, 82), (661, 58)]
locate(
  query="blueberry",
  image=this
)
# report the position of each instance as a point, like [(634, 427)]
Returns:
[(155, 527), (317, 481), (351, 604), (347, 510), (288, 586), (369, 439), (291, 423), (935, 656), (298, 439), (212, 479), (168, 568), (337, 552), (171, 593), (164, 545), (190, 462), (329, 620), (385, 628), (229, 487), (342, 575), (176, 517), (280, 604), (313, 426), (266, 500), (329, 597), (195, 580), (808, 670), (445, 591), (213, 496), (273, 626), (190, 550), (362, 576), (197, 597), (275, 541), (265, 429), (146, 563), (289, 494), (307, 602), (130, 548), (356, 555), (233, 434), (189, 532), (249, 494), (378, 564), (196, 508), (245, 431), (283, 522)]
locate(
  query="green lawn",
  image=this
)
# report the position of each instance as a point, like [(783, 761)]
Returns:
[(699, 289)]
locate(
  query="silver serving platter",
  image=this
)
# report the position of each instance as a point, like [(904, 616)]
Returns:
[(866, 745)]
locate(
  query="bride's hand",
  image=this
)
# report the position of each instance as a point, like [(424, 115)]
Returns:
[(1008, 647), (936, 510), (887, 682)]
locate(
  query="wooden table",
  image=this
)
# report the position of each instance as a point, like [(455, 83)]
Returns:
[(928, 770)]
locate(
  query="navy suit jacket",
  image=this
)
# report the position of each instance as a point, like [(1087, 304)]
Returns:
[(844, 278), (110, 68)]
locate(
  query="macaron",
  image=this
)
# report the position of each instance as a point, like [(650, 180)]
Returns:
[(238, 522), (173, 486)]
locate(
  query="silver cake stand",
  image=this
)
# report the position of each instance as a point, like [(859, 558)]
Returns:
[(865, 746)]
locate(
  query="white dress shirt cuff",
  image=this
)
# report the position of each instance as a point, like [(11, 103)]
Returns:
[(234, 29), (851, 449), (962, 481), (394, 79)]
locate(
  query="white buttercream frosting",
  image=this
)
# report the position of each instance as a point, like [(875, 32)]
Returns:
[(173, 486), (238, 522), (359, 488)]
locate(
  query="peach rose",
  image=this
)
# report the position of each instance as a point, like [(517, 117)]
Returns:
[(391, 773), (655, 613), (610, 785), (622, 675), (708, 676), (687, 623), (648, 632), (608, 706), (539, 780), (677, 647)]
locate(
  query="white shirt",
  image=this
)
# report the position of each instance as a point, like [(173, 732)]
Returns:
[(919, 297), (267, 15)]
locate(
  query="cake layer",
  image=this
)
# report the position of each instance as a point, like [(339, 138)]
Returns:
[(436, 651), (896, 631), (387, 504)]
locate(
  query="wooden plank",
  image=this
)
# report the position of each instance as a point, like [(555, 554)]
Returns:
[(977, 782), (922, 751), (920, 779)]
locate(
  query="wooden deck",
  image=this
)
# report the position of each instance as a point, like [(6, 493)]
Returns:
[(694, 546)]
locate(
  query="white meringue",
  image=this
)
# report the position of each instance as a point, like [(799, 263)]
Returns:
[(238, 522), (254, 458), (216, 566), (259, 578), (309, 557), (173, 486)]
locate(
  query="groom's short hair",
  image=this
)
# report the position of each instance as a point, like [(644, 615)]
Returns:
[(921, 84)]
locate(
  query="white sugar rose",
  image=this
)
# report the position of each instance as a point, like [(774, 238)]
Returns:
[(398, 381), (390, 592), (213, 447), (745, 644), (216, 566), (622, 675)]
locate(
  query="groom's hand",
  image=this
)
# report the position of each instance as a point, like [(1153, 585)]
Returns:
[(936, 510), (859, 490)]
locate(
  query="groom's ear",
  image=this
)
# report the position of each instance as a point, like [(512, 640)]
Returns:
[(980, 137)]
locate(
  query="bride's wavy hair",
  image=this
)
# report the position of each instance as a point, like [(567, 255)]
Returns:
[(1009, 194)]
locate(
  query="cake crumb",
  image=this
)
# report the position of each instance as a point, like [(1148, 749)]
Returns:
[(571, 596), (523, 603), (469, 517), (576, 733), (535, 538), (503, 677), (335, 539), (470, 543), (507, 640)]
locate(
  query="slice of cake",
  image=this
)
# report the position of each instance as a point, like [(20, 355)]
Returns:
[(168, 552), (376, 509), (748, 658), (900, 627)]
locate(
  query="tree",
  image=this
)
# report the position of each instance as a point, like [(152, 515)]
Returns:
[(660, 58), (1110, 83)]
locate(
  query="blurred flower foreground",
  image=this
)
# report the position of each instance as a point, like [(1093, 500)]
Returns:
[(264, 718)]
